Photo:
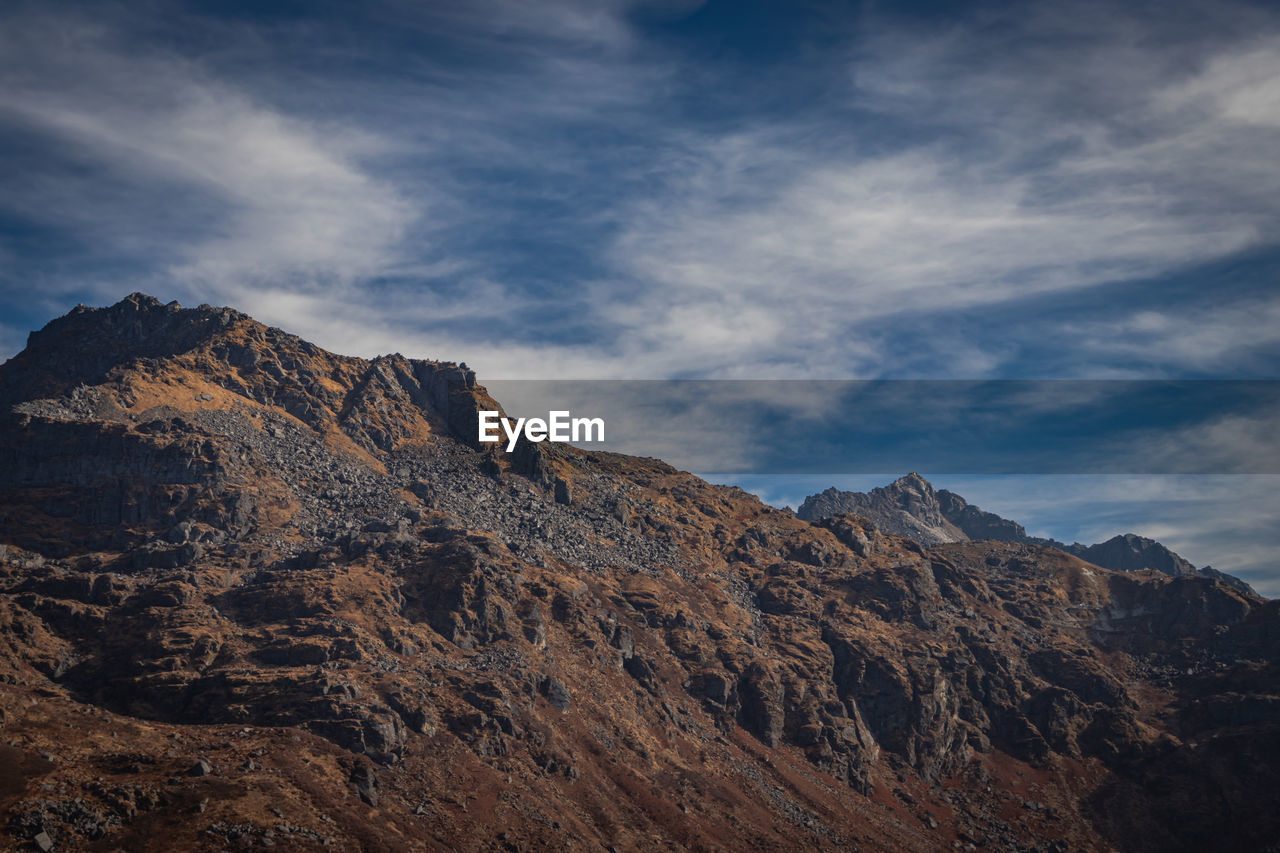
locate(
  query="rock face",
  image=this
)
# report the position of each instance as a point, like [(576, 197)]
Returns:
[(254, 594), (910, 507)]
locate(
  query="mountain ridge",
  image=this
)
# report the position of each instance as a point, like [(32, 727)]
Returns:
[(253, 594), (911, 507)]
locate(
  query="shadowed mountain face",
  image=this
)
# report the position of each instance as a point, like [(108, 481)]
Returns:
[(253, 593), (910, 507)]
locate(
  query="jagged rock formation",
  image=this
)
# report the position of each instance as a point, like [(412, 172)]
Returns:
[(256, 594), (906, 507), (977, 524), (910, 507)]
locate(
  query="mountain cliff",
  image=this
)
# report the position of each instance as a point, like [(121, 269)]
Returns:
[(256, 594)]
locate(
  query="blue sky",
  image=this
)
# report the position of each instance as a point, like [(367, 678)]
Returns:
[(668, 189)]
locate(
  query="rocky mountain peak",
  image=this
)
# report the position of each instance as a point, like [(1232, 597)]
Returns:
[(137, 327), (913, 493), (140, 353), (910, 507), (906, 507), (1130, 552)]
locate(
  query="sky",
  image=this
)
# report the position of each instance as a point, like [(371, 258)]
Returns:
[(605, 189)]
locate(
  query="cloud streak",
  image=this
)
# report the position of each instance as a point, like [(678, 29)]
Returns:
[(567, 192), (1035, 168), (265, 198)]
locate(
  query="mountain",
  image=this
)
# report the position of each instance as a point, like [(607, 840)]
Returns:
[(911, 507), (256, 594), (976, 524), (1130, 553), (906, 507)]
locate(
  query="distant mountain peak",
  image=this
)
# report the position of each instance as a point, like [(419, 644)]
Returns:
[(910, 507), (1130, 552), (906, 507)]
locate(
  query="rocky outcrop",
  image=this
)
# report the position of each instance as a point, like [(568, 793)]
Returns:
[(256, 594)]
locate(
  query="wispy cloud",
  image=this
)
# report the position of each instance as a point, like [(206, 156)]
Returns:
[(1217, 339), (1044, 155), (266, 199), (350, 205), (559, 190)]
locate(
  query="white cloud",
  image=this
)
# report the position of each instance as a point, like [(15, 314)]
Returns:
[(280, 201), (1237, 442), (1054, 169), (214, 193), (1045, 154), (1240, 87), (1207, 340)]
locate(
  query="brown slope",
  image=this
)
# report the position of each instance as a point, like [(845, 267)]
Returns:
[(378, 637)]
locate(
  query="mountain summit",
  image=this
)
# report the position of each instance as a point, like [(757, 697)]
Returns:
[(906, 507), (254, 594), (911, 507)]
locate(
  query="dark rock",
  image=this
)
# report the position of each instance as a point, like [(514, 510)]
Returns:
[(365, 781), (642, 671), (762, 711), (1130, 553), (562, 492), (557, 694)]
